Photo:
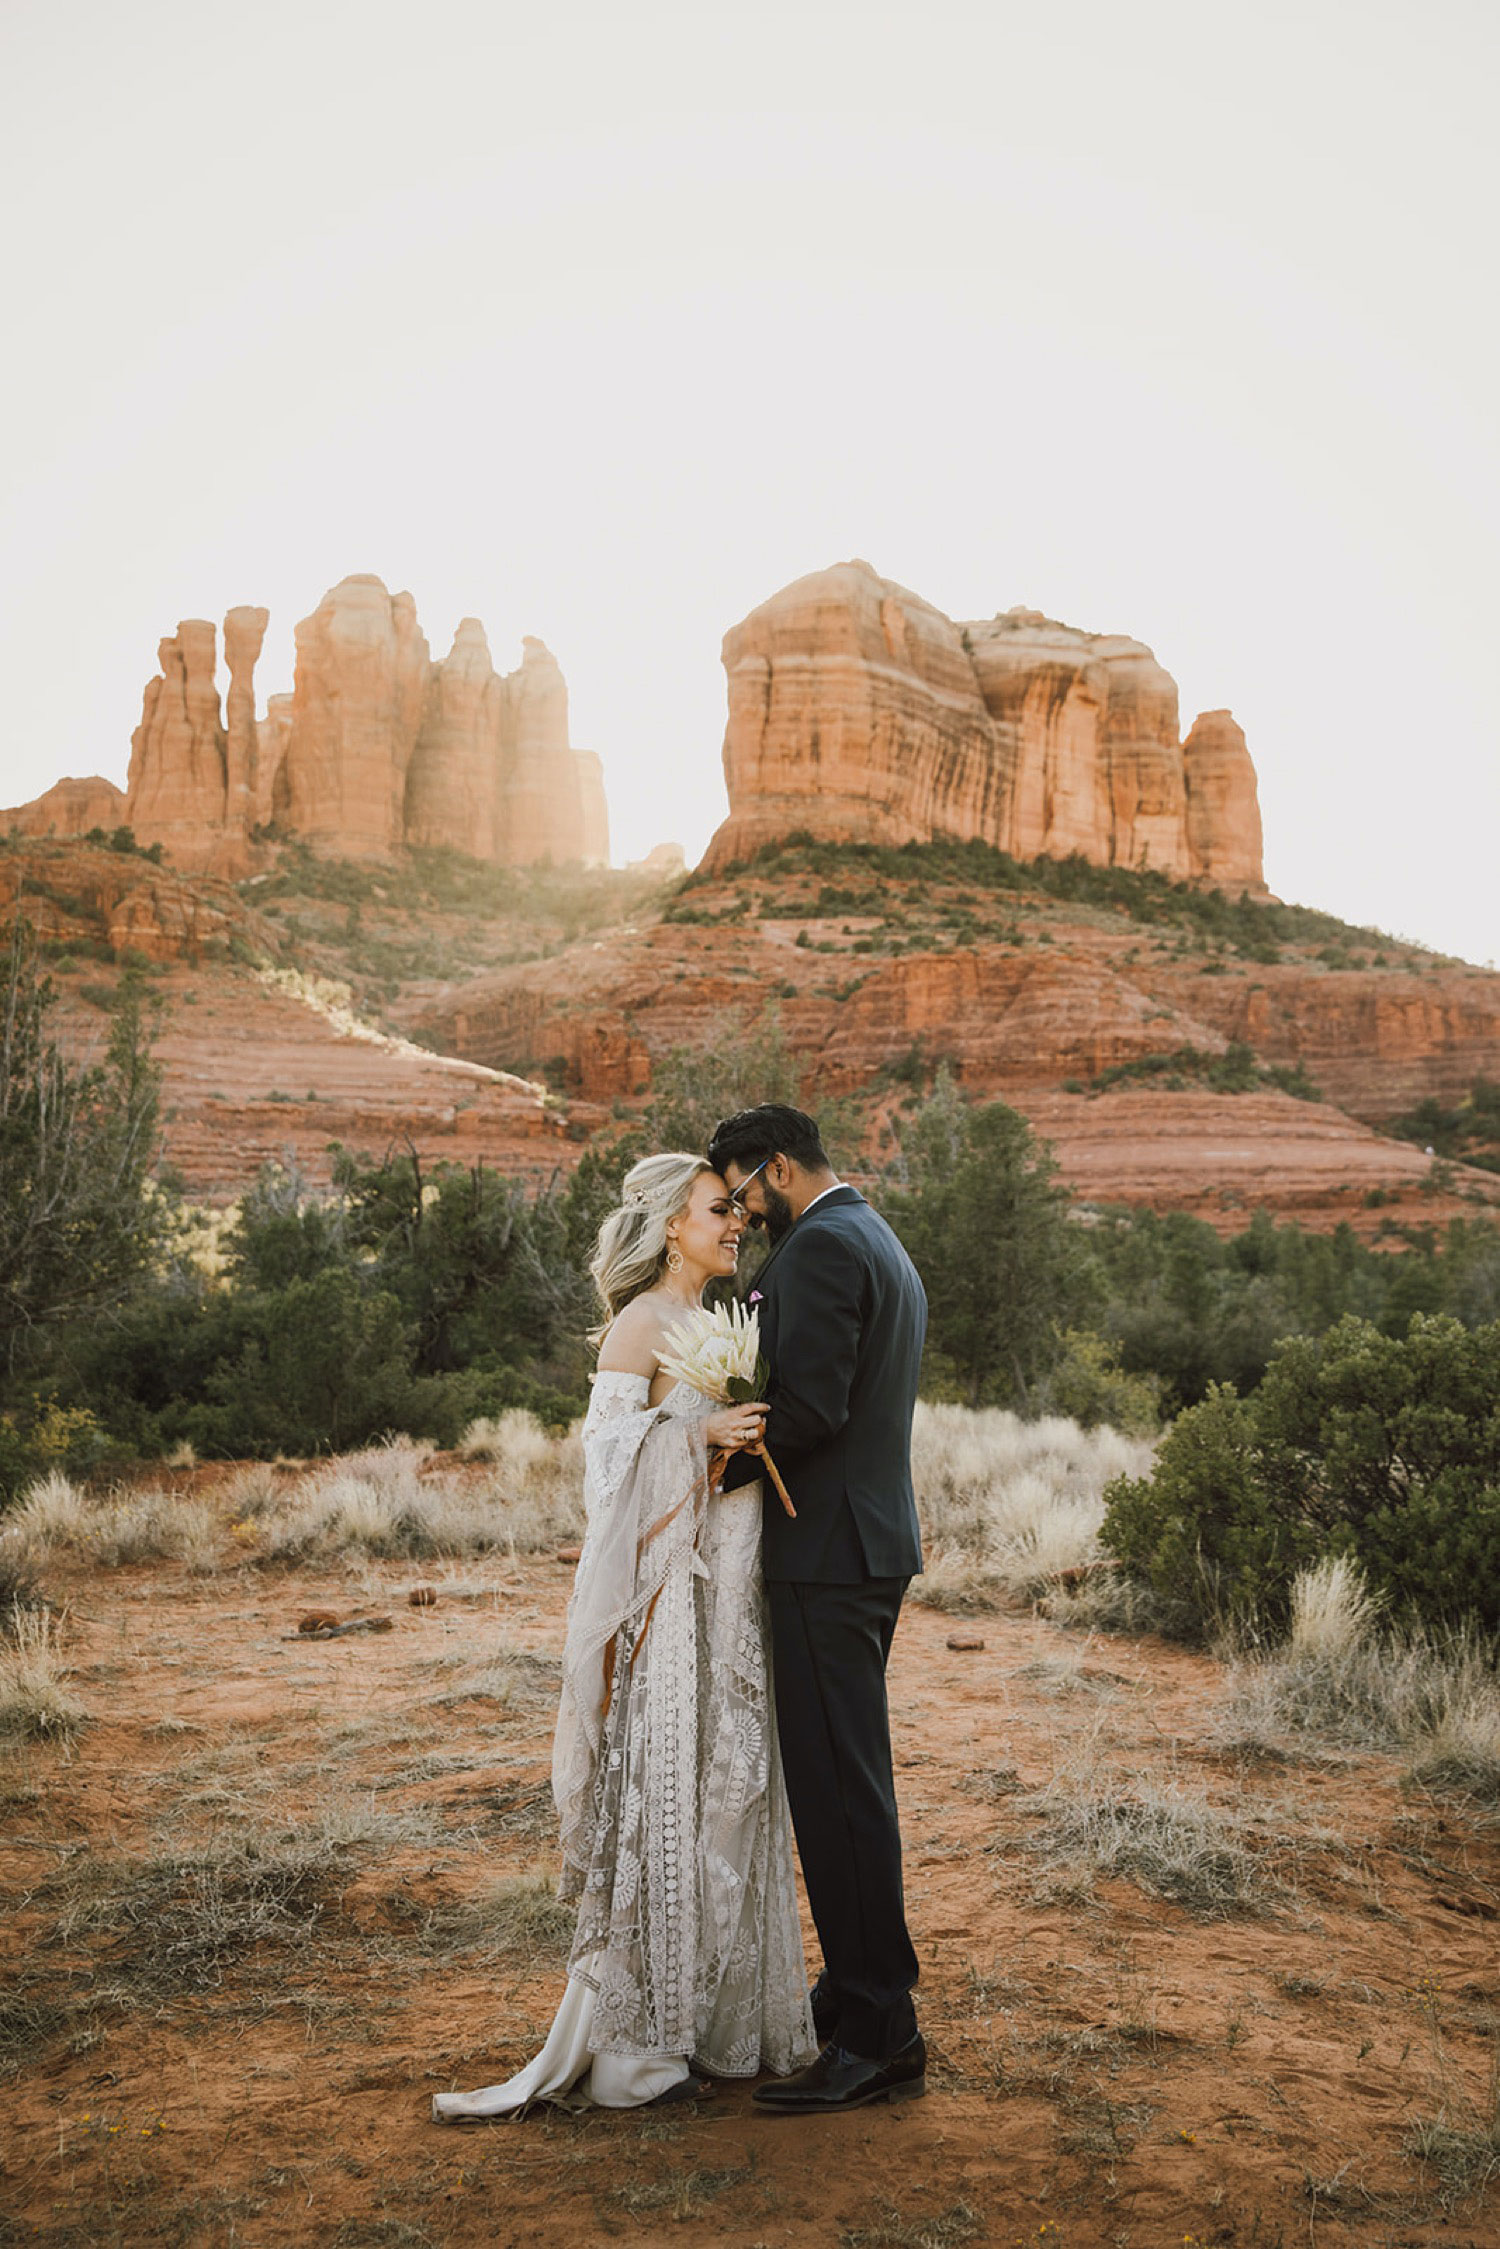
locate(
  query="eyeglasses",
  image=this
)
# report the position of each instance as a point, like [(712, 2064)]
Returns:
[(737, 1194)]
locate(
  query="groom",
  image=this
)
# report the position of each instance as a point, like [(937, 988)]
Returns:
[(842, 1319)]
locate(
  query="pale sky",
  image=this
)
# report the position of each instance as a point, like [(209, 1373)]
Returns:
[(603, 322)]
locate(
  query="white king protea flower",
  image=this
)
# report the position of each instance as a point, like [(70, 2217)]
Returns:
[(717, 1353)]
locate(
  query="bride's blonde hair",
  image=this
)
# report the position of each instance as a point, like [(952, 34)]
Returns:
[(632, 1246)]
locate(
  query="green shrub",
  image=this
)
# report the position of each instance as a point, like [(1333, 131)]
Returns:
[(1381, 1447), (1203, 1530), (1469, 1131), (1088, 1385), (38, 1436), (1236, 1070)]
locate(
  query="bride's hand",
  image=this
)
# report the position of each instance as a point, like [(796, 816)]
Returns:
[(732, 1428)]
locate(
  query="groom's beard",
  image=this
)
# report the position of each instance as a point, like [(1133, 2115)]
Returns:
[(778, 1217)]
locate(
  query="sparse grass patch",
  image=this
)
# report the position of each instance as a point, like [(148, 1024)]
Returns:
[(1169, 1840), (1171, 1844), (171, 1927), (1098, 2126), (1011, 1507), (1055, 1676), (387, 1501), (56, 1516), (35, 1702), (957, 2224), (513, 1678), (1461, 2148), (29, 2022), (518, 1914), (681, 2196), (1340, 1674), (381, 2233), (184, 1923)]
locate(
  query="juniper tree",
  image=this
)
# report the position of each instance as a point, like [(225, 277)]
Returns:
[(78, 1144), (975, 1199)]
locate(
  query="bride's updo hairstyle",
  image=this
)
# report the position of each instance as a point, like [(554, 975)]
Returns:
[(632, 1246)]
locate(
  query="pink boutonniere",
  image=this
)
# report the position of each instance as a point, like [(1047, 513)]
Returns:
[(756, 1297)]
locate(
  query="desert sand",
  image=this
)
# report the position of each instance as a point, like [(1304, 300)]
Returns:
[(1245, 2051)]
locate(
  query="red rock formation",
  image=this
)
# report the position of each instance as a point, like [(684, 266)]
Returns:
[(271, 738), (1044, 687), (1223, 809), (860, 713), (244, 632), (595, 852), (453, 785), (541, 791), (127, 902), (357, 702), (1375, 1040), (376, 747), (664, 862), (178, 753), (854, 713), (68, 808), (1024, 1022)]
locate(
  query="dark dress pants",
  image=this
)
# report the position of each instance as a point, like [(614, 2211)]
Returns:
[(830, 1644)]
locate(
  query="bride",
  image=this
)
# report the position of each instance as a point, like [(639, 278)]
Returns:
[(676, 1841)]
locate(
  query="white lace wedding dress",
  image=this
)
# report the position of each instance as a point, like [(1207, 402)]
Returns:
[(675, 1834)]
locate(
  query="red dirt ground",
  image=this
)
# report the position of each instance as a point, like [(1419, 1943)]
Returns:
[(1108, 2067)]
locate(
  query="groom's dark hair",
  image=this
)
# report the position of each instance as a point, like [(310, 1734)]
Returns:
[(754, 1136)]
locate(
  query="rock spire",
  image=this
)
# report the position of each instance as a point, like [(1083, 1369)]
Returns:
[(376, 746)]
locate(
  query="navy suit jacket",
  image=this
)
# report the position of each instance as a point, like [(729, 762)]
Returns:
[(843, 1317)]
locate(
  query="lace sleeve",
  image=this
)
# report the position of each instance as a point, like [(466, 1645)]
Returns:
[(619, 1420), (645, 1471)]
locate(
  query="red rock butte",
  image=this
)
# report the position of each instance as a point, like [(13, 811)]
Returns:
[(859, 713), (376, 746)]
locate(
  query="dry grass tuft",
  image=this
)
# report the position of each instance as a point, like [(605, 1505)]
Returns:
[(29, 2021), (1011, 1507), (57, 1517), (166, 1927), (514, 1440), (388, 1501), (1340, 1674), (513, 1678), (35, 1702), (1171, 1841), (1461, 2145), (517, 1915), (893, 2231)]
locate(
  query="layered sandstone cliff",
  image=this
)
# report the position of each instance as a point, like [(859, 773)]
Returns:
[(177, 789), (858, 712), (376, 746), (69, 808), (358, 696), (451, 787)]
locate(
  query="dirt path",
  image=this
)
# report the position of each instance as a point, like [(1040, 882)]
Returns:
[(203, 2061)]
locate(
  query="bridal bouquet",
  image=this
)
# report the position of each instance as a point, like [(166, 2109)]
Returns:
[(718, 1354)]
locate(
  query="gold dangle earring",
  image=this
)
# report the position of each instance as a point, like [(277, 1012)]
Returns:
[(674, 1256)]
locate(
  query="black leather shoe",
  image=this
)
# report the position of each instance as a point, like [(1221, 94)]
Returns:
[(839, 2080)]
